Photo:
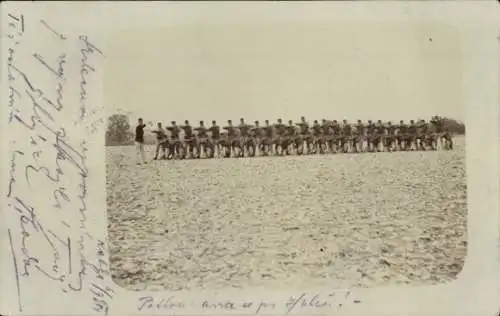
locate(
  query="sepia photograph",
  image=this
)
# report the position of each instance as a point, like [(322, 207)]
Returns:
[(285, 155)]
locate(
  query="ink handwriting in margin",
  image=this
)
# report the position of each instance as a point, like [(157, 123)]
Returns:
[(50, 157), (15, 30), (86, 51)]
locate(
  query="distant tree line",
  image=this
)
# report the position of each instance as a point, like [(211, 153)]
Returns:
[(453, 126), (120, 133)]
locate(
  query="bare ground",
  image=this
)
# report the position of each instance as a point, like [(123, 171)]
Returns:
[(348, 219)]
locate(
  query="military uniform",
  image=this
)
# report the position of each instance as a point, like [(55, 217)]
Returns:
[(360, 136), (346, 136), (245, 139), (304, 136), (402, 134), (370, 134), (391, 136), (161, 142), (202, 135), (280, 139)]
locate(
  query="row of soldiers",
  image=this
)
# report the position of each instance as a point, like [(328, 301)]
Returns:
[(298, 138)]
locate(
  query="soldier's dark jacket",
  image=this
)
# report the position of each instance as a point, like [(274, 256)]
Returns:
[(215, 130)]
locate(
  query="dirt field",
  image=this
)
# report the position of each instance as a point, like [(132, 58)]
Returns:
[(348, 220)]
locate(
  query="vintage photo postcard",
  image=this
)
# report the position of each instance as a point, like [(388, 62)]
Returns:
[(265, 158)]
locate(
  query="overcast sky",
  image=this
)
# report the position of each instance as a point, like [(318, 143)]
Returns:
[(332, 70)]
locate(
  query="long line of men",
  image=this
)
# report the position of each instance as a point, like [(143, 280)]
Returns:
[(297, 138)]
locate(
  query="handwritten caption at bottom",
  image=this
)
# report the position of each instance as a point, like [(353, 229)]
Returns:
[(47, 192), (300, 303)]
